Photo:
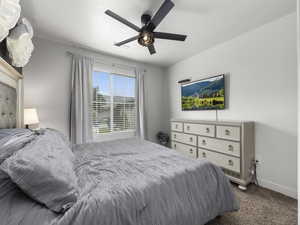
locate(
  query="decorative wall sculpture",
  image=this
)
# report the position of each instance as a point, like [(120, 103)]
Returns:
[(9, 14), (19, 43)]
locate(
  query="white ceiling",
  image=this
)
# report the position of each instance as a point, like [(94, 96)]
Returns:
[(206, 22)]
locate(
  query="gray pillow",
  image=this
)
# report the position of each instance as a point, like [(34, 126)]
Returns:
[(7, 132), (12, 140), (43, 169), (4, 133)]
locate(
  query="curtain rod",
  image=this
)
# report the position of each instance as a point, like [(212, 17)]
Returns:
[(99, 60)]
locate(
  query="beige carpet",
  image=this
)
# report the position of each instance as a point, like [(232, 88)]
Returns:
[(260, 206)]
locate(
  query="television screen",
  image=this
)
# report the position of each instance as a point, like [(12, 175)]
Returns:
[(206, 94)]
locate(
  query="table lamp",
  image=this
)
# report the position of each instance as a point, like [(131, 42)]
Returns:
[(30, 117)]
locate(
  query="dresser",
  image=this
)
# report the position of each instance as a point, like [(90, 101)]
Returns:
[(229, 145)]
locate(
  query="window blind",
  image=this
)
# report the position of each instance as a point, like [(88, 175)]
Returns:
[(114, 103)]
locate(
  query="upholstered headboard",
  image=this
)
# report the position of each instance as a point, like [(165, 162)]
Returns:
[(11, 99), (8, 106)]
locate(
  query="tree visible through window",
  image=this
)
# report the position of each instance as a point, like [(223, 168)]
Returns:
[(114, 105)]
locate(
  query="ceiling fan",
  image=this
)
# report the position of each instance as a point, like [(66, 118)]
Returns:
[(147, 35)]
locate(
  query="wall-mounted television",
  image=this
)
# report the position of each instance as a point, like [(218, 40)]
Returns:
[(205, 94)]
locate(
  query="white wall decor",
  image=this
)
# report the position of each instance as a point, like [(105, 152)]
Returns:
[(19, 43), (9, 14)]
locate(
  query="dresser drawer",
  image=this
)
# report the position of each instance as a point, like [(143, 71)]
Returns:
[(227, 162), (184, 138), (176, 126), (200, 129), (185, 149), (230, 133), (227, 147)]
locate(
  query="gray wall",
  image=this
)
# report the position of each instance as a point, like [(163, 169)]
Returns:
[(261, 87), (47, 86)]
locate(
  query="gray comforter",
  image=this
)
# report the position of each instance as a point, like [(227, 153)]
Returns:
[(130, 182)]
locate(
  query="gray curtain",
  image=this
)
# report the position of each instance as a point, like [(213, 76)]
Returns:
[(140, 123), (81, 99)]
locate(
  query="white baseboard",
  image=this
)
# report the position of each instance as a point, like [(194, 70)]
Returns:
[(278, 188)]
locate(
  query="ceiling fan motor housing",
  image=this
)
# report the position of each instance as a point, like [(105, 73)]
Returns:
[(145, 19)]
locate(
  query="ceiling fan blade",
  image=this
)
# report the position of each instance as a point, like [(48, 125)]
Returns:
[(151, 49), (161, 14), (122, 20), (168, 36), (127, 41)]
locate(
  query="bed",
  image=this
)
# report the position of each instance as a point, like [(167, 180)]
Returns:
[(122, 182)]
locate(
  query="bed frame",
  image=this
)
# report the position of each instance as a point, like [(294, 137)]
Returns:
[(11, 96)]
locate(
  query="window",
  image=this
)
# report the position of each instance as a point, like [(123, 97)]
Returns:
[(114, 104)]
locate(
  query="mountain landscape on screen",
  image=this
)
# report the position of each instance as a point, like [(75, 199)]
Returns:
[(206, 94)]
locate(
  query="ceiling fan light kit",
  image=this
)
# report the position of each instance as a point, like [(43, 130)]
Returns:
[(147, 36), (146, 39)]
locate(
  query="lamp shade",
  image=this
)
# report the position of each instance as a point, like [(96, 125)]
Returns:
[(30, 116)]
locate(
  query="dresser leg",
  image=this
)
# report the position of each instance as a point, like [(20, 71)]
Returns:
[(243, 188)]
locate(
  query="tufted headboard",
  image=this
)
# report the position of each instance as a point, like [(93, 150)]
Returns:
[(8, 106), (11, 98)]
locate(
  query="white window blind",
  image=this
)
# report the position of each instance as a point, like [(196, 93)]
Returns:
[(114, 103)]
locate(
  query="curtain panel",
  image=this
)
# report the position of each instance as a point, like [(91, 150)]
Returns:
[(140, 104), (81, 99)]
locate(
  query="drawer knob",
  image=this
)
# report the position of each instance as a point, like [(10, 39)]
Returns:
[(203, 154), (188, 127), (191, 151), (174, 135), (203, 142), (227, 132), (191, 139), (230, 162), (176, 126), (230, 148), (207, 130), (174, 145)]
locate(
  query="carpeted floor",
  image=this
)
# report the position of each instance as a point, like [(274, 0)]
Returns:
[(259, 206)]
